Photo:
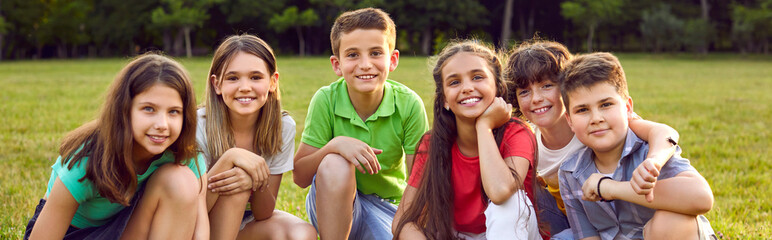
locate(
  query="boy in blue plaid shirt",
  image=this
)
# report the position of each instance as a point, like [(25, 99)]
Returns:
[(608, 186)]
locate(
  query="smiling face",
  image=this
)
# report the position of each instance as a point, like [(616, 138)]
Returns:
[(598, 115), (365, 60), (541, 103), (468, 85), (245, 84), (156, 120)]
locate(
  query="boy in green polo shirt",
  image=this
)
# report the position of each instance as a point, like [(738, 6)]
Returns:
[(360, 133)]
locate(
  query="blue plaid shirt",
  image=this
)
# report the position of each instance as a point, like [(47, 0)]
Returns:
[(624, 220)]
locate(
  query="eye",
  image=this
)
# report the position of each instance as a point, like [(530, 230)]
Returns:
[(606, 104), (175, 112), (231, 78), (523, 93), (376, 53), (256, 77), (352, 55), (453, 82), (548, 85), (477, 77), (580, 110), (148, 109)]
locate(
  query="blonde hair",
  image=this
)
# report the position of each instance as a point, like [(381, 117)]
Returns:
[(219, 134)]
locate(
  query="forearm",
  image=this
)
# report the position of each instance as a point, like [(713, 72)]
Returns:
[(263, 204), (202, 219), (497, 179), (670, 194), (307, 162), (657, 135)]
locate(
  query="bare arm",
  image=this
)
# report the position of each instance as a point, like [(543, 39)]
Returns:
[(202, 219), (55, 218), (670, 193), (497, 180), (308, 158), (409, 163), (410, 230), (661, 149), (264, 202)]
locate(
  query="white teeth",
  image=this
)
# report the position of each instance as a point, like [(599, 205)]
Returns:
[(470, 100), (541, 110), (245, 99), (367, 76), (156, 137)]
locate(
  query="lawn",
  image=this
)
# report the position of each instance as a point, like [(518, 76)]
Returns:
[(720, 104)]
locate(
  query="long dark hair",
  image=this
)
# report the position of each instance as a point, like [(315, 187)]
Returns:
[(432, 209), (107, 141)]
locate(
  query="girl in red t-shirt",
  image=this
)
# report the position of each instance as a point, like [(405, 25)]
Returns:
[(473, 173)]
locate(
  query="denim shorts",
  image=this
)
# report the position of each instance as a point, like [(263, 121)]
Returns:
[(372, 215), (550, 213), (110, 230)]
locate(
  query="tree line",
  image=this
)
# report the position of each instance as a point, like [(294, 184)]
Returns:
[(103, 28)]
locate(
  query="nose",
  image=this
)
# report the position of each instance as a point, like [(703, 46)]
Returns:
[(162, 122), (596, 117), (537, 96), (467, 86), (365, 63), (244, 85)]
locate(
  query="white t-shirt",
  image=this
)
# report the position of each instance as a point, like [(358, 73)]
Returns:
[(277, 164), (549, 159)]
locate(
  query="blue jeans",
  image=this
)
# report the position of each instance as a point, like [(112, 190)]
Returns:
[(550, 213), (372, 215)]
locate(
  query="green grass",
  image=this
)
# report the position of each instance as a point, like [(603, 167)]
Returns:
[(720, 104)]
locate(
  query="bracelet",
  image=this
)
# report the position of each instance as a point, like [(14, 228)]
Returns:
[(599, 181)]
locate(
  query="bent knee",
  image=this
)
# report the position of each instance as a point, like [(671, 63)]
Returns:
[(302, 232), (334, 166), (176, 182), (670, 225)]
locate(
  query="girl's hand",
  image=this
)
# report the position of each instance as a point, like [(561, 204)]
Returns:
[(358, 153), (252, 164), (497, 114), (230, 182)]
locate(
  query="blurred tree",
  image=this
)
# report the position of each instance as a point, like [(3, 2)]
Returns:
[(63, 25), (427, 17), (661, 29), (184, 14), (3, 30), (591, 13), (752, 26), (290, 18), (506, 25), (698, 33), (121, 27)]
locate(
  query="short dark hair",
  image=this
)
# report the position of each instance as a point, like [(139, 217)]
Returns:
[(365, 18), (533, 62), (590, 69)]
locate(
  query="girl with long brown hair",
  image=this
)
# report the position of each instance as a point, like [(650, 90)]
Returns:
[(473, 172), (248, 142), (132, 172)]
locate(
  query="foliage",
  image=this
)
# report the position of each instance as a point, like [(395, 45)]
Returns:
[(591, 14), (290, 18), (752, 26), (698, 34), (661, 29)]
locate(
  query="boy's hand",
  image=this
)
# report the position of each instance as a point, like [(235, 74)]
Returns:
[(358, 153), (645, 177), (590, 188), (497, 114)]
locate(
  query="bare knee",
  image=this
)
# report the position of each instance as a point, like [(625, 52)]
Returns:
[(302, 231), (176, 183), (334, 170), (670, 225)]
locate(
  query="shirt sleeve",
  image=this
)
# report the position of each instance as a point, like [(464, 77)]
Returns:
[(518, 142), (416, 125), (318, 126), (81, 191), (198, 165), (571, 191), (283, 160), (418, 163)]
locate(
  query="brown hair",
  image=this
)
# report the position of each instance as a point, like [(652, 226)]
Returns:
[(219, 135), (590, 69), (533, 62), (365, 18), (107, 141), (432, 208)]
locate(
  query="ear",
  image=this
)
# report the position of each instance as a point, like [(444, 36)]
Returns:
[(394, 60), (215, 84), (568, 119), (336, 65), (274, 82), (629, 105)]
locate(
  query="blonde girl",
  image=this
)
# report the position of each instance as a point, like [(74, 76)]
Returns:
[(248, 142), (131, 173)]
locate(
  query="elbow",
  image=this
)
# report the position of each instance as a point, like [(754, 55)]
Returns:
[(300, 180), (703, 203), (262, 214), (501, 194)]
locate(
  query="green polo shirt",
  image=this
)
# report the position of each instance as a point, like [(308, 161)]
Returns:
[(95, 210), (395, 128)]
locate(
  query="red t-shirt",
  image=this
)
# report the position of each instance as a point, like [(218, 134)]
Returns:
[(468, 205)]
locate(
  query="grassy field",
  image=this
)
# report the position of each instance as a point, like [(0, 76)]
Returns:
[(720, 104)]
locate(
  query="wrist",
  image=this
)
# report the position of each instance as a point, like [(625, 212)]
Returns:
[(606, 189)]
